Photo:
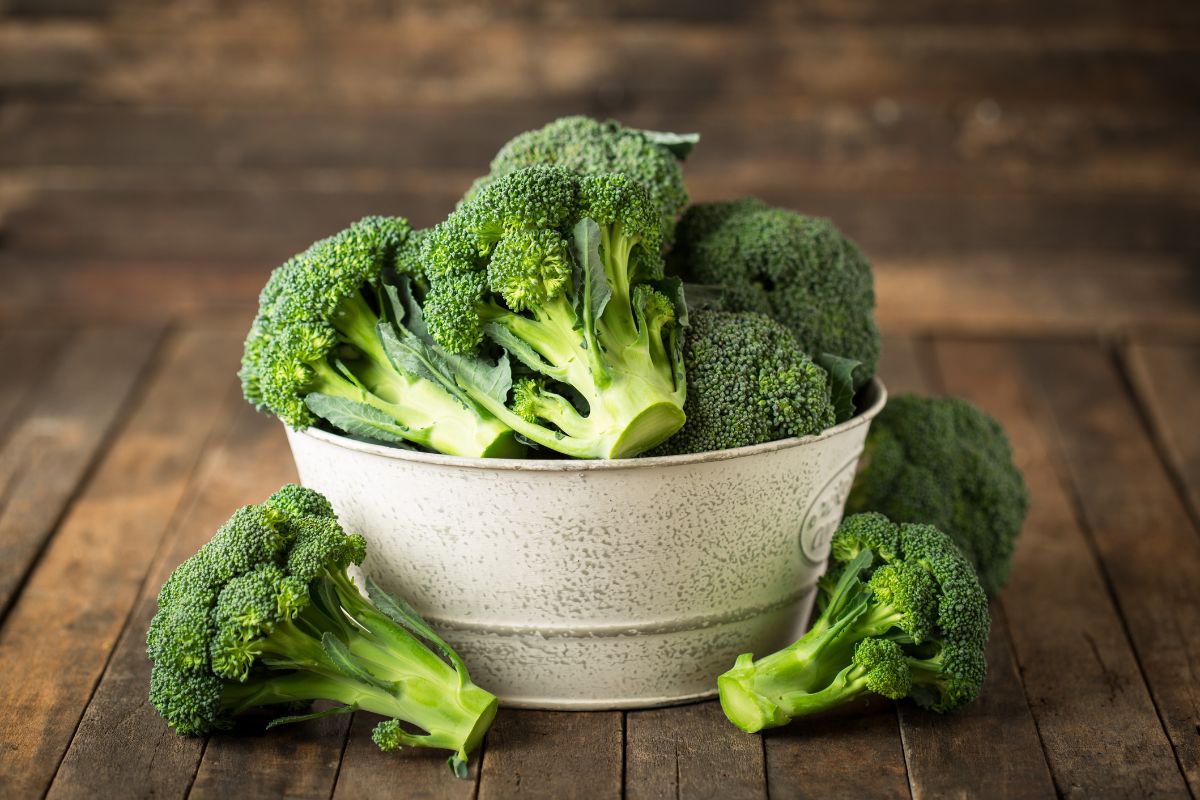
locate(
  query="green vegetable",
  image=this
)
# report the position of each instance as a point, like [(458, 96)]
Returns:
[(945, 462), (588, 147), (748, 382), (564, 274), (329, 343), (799, 270), (903, 615), (265, 615)]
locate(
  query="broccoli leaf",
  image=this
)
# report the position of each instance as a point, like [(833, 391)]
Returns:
[(493, 381), (344, 660), (592, 291), (841, 383), (329, 712), (356, 419), (407, 617), (680, 144)]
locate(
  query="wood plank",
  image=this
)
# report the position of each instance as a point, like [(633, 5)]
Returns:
[(299, 761), (367, 772), (130, 292), (1078, 668), (853, 752), (691, 751), (122, 742), (251, 56), (1167, 379), (554, 755), (49, 452), (989, 748), (933, 147), (1040, 293), (1147, 544), (30, 353), (53, 648)]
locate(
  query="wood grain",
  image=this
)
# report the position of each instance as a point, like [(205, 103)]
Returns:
[(552, 755), (122, 746), (73, 407), (989, 748), (421, 774), (824, 756), (1167, 379), (1146, 542), (691, 751), (30, 352), (1079, 670), (76, 601)]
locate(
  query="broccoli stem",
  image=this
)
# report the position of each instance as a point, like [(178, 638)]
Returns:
[(390, 672), (434, 419)]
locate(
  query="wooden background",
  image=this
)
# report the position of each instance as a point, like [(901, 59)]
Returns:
[(1024, 174)]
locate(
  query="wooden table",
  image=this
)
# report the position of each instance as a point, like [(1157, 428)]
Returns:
[(1024, 176)]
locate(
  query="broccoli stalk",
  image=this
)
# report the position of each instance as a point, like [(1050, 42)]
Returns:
[(265, 614), (560, 271), (903, 615), (329, 342)]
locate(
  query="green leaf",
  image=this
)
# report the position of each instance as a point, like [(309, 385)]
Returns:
[(476, 374), (841, 383), (329, 712), (357, 419), (400, 612), (343, 659), (520, 349), (680, 144), (592, 291), (458, 765)]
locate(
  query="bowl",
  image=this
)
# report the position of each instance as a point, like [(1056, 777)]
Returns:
[(626, 583)]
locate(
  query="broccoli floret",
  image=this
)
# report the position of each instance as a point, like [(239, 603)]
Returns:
[(903, 615), (945, 462), (265, 614), (563, 272), (748, 382), (589, 147), (331, 341), (799, 270)]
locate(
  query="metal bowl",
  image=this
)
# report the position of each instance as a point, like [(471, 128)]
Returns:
[(598, 584)]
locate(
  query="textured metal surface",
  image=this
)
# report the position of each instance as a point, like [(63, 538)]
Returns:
[(593, 584)]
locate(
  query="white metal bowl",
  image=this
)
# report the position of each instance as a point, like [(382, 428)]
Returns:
[(598, 584)]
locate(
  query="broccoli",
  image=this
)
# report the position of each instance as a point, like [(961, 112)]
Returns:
[(590, 147), (265, 615), (563, 272), (748, 382), (903, 615), (945, 462), (799, 270), (331, 341)]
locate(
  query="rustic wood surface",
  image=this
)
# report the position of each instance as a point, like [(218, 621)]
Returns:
[(1024, 175)]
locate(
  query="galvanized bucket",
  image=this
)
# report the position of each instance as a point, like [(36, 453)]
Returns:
[(598, 584)]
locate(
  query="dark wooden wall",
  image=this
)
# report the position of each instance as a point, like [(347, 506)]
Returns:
[(1010, 166)]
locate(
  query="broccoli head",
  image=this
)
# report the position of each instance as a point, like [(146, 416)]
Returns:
[(331, 341), (799, 270), (945, 462), (589, 147), (266, 615), (903, 615), (563, 273), (748, 382)]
